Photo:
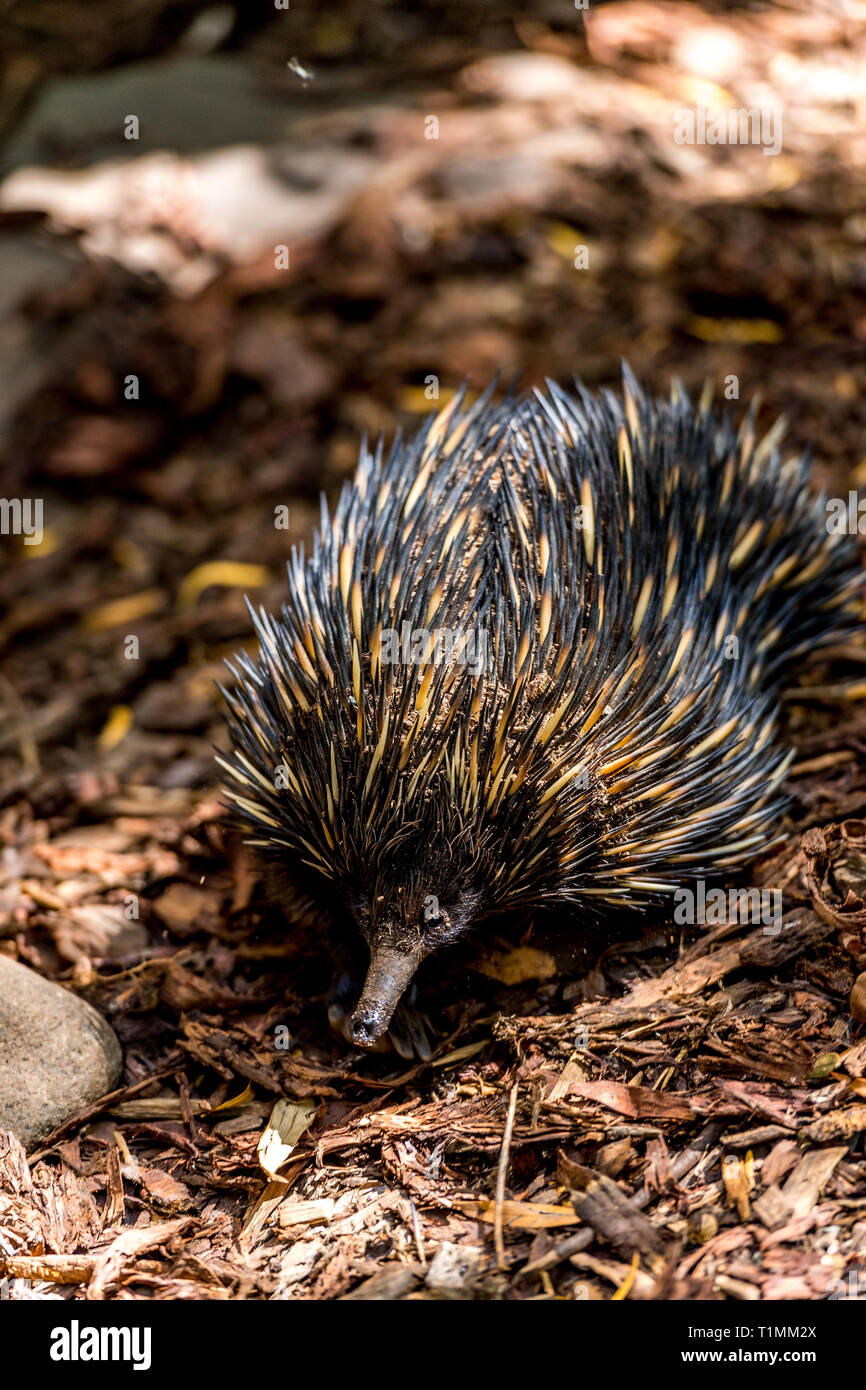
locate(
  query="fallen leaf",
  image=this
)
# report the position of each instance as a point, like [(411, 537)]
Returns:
[(289, 1119), (634, 1101), (124, 610), (116, 727), (525, 1216), (228, 574), (517, 966)]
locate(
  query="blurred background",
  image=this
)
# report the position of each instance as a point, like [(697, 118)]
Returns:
[(234, 239)]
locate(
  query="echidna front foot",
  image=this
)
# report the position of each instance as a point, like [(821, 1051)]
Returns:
[(410, 1029)]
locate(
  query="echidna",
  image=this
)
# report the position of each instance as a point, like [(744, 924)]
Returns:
[(534, 659)]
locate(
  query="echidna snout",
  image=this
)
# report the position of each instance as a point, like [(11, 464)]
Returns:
[(398, 943), (389, 974)]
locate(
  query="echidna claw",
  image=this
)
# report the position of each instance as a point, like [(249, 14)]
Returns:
[(408, 1033)]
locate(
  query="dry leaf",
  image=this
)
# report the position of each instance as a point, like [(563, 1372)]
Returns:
[(289, 1119), (517, 966), (525, 1216)]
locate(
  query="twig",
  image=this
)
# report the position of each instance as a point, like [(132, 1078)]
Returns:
[(501, 1175), (827, 694), (574, 1245), (416, 1227)]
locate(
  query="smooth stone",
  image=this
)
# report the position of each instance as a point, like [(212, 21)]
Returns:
[(57, 1054)]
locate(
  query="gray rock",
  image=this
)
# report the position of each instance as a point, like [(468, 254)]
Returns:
[(454, 1268), (182, 103), (57, 1054)]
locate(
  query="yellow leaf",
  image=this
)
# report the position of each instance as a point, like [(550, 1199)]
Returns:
[(625, 1287), (734, 330), (246, 1095), (564, 239), (524, 1216), (415, 400), (116, 727), (228, 574), (47, 544), (125, 610)]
